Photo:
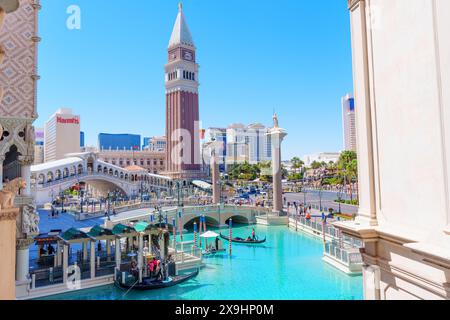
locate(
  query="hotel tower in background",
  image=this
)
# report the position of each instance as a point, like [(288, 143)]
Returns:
[(62, 135), (182, 110), (348, 122)]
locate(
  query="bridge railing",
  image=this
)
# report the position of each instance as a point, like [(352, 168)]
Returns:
[(91, 174)]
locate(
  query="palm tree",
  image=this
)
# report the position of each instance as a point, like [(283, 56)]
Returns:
[(297, 163), (348, 168)]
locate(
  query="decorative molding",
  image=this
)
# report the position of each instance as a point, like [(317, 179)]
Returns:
[(21, 134), (353, 3)]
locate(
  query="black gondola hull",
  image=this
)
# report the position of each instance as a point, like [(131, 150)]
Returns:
[(242, 241), (147, 284)]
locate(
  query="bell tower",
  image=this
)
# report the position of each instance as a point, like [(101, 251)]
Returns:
[(182, 110)]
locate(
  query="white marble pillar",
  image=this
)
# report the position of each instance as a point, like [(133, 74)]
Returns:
[(140, 256), (26, 174), (85, 251), (118, 255), (108, 249), (363, 114), (92, 259), (65, 262), (162, 248), (58, 254), (22, 263)]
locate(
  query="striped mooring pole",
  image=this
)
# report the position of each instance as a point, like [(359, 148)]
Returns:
[(204, 224), (195, 235), (174, 231), (180, 225), (166, 220), (200, 230), (323, 232), (230, 236)]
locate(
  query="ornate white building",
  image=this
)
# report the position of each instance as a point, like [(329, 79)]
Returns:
[(401, 71)]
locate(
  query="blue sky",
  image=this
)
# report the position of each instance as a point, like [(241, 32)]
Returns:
[(255, 56)]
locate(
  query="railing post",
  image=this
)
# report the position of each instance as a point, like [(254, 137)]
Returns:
[(33, 281)]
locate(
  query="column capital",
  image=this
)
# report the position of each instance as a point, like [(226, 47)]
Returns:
[(25, 160), (9, 214), (24, 243)]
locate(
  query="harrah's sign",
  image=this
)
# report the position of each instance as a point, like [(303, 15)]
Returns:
[(74, 120)]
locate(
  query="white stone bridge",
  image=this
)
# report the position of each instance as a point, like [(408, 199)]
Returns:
[(215, 215), (50, 178)]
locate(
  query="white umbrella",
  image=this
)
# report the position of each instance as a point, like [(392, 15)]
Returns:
[(209, 234)]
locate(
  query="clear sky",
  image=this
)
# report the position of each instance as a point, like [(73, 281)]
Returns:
[(255, 56)]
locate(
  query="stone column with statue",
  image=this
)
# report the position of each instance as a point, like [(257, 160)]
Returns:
[(277, 135), (215, 173)]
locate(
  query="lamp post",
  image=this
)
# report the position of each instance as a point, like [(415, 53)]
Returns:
[(81, 201), (339, 199), (304, 192), (61, 196), (160, 216)]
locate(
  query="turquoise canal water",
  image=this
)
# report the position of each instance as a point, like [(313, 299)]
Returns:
[(288, 266)]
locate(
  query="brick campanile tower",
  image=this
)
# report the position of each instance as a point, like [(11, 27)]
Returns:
[(182, 111)]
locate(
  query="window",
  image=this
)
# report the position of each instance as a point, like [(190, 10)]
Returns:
[(184, 74), (193, 76)]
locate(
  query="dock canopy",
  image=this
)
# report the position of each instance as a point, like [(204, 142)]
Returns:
[(74, 234), (121, 228), (48, 238), (202, 184), (141, 226), (98, 231)]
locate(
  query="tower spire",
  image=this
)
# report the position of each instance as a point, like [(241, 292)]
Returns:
[(181, 33)]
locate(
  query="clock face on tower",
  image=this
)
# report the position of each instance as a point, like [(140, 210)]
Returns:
[(187, 56)]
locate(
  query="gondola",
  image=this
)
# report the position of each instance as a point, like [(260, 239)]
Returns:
[(243, 240), (151, 283)]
